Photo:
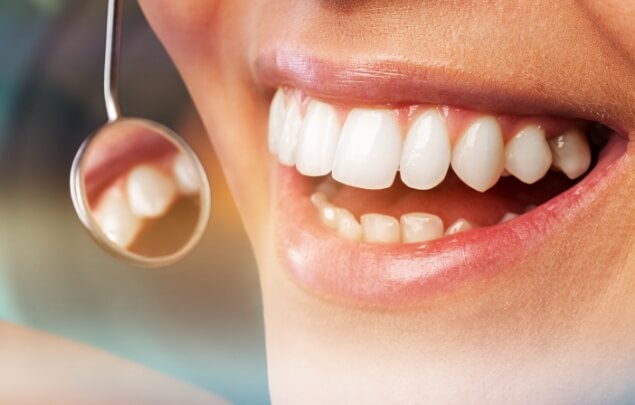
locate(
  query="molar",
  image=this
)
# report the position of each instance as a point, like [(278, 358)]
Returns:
[(277, 115), (571, 153), (288, 139), (527, 155), (460, 225), (420, 227)]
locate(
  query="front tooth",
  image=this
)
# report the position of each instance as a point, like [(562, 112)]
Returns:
[(290, 131), (420, 227), (527, 155), (347, 226), (116, 220), (185, 175), (460, 225), (150, 191), (380, 228), (571, 153), (426, 152), (477, 157), (276, 120), (369, 150), (318, 139)]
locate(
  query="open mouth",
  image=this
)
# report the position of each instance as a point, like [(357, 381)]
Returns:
[(384, 202)]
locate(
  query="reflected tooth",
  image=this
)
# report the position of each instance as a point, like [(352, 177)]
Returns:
[(420, 227), (571, 153), (150, 191), (290, 131), (347, 226), (329, 215), (380, 228), (116, 220), (276, 120), (318, 140), (369, 149), (477, 158), (508, 217), (527, 155), (426, 152), (460, 225), (185, 175)]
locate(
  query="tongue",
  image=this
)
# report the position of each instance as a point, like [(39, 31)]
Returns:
[(452, 199)]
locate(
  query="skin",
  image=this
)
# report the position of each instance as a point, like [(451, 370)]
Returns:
[(558, 325)]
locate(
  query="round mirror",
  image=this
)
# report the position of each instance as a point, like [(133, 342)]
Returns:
[(141, 192)]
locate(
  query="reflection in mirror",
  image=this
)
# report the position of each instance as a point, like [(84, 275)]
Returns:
[(142, 191)]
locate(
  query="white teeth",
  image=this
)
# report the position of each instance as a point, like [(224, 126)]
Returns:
[(150, 191), (369, 149), (329, 215), (527, 155), (290, 132), (460, 225), (318, 140), (508, 217), (185, 175), (116, 220), (276, 120), (426, 152), (347, 226), (420, 227), (478, 155), (571, 153), (380, 228)]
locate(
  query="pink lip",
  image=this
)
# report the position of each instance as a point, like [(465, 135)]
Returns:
[(401, 274)]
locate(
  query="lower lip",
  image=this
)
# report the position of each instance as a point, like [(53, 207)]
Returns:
[(383, 276)]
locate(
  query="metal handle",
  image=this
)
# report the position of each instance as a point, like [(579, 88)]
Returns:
[(113, 54)]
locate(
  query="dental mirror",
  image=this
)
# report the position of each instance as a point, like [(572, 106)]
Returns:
[(138, 187)]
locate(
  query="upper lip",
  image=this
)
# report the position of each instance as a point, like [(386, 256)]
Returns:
[(397, 81)]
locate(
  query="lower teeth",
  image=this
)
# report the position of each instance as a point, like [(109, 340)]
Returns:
[(414, 227)]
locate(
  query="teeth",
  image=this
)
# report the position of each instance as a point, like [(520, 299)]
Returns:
[(318, 140), (478, 156), (115, 218), (460, 225), (420, 227), (571, 153), (329, 215), (380, 228), (527, 155), (150, 191), (369, 150), (288, 140), (276, 120), (508, 217), (185, 175), (347, 226), (426, 152)]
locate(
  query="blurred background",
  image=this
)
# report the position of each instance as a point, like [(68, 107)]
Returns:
[(199, 321)]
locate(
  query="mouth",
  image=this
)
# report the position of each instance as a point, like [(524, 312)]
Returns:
[(384, 202)]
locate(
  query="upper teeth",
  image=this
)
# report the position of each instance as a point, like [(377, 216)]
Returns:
[(369, 146)]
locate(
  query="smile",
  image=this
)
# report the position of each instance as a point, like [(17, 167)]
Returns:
[(387, 202)]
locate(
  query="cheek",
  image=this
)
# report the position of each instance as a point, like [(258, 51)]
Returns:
[(616, 18)]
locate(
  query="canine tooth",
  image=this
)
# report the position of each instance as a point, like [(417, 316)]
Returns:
[(380, 228), (527, 155), (185, 175), (116, 220), (477, 157), (290, 131), (347, 225), (508, 217), (276, 120), (329, 215), (460, 225), (150, 191), (571, 153), (369, 149), (426, 155), (318, 139), (420, 227)]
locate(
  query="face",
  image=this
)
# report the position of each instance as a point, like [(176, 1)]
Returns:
[(438, 194)]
